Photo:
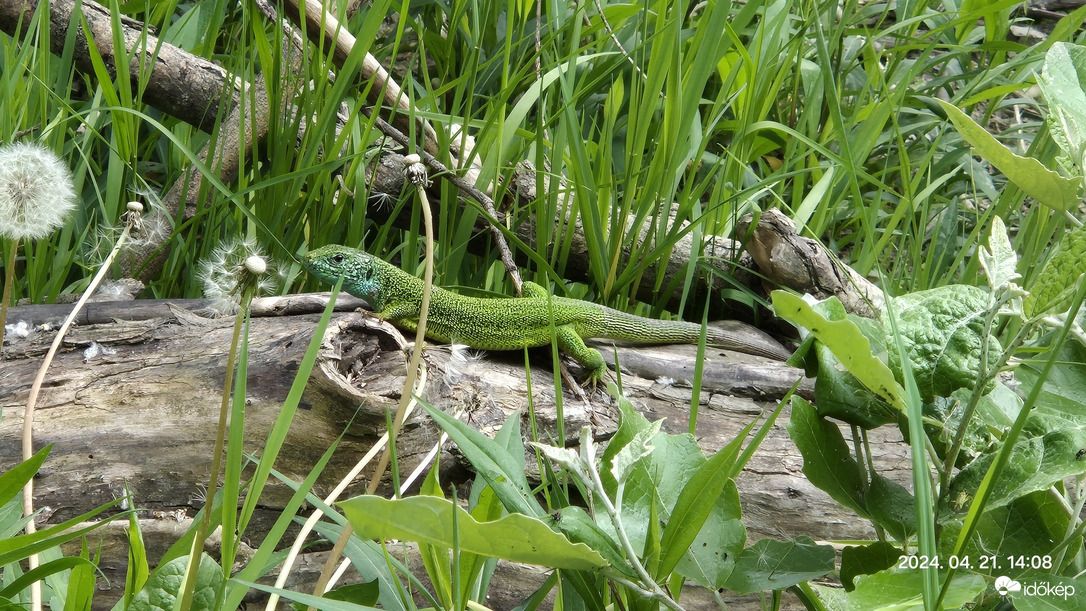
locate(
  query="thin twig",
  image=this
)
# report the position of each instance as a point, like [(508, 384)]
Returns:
[(469, 190)]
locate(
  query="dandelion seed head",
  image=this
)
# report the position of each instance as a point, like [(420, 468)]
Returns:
[(415, 171), (230, 271), (149, 231), (36, 192), (256, 264)]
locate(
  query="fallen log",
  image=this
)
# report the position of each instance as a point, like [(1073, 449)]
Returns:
[(142, 412)]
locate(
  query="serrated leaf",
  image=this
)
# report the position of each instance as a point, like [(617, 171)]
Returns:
[(848, 344), (1039, 182), (429, 520), (999, 261)]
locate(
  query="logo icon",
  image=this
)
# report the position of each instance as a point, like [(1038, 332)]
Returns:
[(1005, 585)]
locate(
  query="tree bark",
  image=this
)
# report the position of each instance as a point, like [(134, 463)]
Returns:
[(144, 417), (180, 84)]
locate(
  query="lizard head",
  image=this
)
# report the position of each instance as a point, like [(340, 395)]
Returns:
[(358, 269)]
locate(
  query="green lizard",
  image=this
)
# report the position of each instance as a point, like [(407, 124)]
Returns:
[(515, 322)]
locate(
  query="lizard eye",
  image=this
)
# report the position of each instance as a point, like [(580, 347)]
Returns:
[(337, 258)]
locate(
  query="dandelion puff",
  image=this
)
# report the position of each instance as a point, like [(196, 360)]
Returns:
[(36, 193), (153, 228), (231, 272), (156, 224), (381, 200)]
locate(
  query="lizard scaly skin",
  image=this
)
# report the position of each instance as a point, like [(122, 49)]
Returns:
[(515, 322)]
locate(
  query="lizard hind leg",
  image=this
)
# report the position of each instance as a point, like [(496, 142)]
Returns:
[(572, 344)]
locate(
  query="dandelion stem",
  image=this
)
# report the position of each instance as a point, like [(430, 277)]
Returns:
[(416, 173), (32, 401), (216, 458), (9, 279)]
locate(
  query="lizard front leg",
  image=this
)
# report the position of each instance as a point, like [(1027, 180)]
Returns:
[(399, 313), (572, 344)]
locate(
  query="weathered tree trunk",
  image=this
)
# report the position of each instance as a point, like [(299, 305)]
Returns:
[(145, 415)]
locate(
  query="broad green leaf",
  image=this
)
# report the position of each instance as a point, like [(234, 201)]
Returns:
[(942, 330), (866, 560), (1063, 392), (657, 479), (999, 261), (848, 344), (365, 594), (630, 454), (579, 527), (827, 461), (1049, 447), (429, 520), (1036, 463), (995, 412), (1061, 80), (839, 395), (891, 506), (774, 565), (899, 589), (711, 557), (629, 423), (1053, 288), (161, 590), (1030, 526), (503, 471), (695, 502), (1039, 182)]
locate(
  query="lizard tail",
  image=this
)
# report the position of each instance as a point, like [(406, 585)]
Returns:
[(733, 335)]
